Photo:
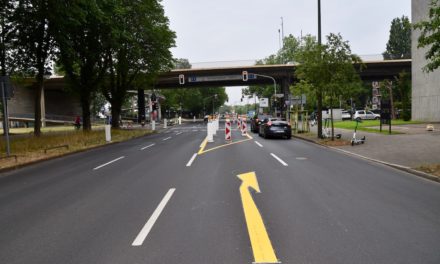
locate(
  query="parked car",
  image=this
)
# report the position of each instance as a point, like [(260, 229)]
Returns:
[(345, 115), (365, 115), (257, 120), (275, 127)]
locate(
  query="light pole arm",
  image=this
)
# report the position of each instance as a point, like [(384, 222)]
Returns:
[(274, 86)]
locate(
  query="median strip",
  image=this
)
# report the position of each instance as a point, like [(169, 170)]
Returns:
[(110, 162), (139, 240)]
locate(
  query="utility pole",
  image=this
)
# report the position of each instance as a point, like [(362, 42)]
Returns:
[(319, 91)]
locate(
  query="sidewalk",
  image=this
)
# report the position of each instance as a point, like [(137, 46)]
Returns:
[(417, 147)]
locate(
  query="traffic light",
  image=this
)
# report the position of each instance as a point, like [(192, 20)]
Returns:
[(153, 97), (245, 76), (181, 79)]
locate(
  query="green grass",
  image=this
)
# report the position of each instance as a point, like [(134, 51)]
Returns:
[(29, 148), (367, 125)]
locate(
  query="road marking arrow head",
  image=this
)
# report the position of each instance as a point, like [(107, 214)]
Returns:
[(249, 180)]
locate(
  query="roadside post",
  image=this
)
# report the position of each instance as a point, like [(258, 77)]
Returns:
[(180, 120), (108, 133), (165, 123), (153, 125), (5, 85), (228, 137)]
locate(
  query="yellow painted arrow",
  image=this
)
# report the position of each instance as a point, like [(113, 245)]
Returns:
[(260, 242)]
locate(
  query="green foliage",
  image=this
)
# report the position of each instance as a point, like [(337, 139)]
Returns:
[(404, 90), (399, 42), (182, 64), (430, 36)]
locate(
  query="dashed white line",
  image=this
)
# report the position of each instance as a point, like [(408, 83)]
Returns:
[(195, 130), (178, 133), (139, 240), (280, 160), (105, 164), (149, 146), (165, 139), (258, 143), (191, 160)]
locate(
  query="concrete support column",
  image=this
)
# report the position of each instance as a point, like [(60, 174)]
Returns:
[(43, 109), (141, 105)]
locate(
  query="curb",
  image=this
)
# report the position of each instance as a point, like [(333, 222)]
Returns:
[(395, 166)]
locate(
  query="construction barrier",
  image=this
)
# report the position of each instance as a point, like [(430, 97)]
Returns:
[(228, 136), (239, 123), (243, 127)]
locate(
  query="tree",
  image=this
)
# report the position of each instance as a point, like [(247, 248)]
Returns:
[(8, 28), (138, 47), (430, 36), (81, 35), (403, 85), (35, 38), (182, 64), (328, 68), (399, 42)]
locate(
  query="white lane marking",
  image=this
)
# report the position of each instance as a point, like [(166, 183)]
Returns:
[(258, 143), (139, 240), (195, 130), (179, 133), (280, 160), (149, 146), (301, 158), (165, 139), (191, 160), (105, 164)]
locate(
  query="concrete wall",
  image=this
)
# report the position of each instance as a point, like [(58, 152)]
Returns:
[(425, 86)]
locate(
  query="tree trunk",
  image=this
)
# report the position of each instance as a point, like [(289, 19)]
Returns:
[(116, 113), (319, 113), (85, 105), (38, 93)]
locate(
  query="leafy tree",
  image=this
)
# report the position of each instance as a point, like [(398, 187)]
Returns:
[(35, 38), (430, 36), (8, 32), (399, 42), (138, 47), (81, 35), (404, 90), (182, 64), (328, 68)]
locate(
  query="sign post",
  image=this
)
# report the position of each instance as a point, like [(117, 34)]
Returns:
[(5, 85)]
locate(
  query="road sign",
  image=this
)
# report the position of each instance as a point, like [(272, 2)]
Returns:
[(181, 79), (264, 102), (245, 76)]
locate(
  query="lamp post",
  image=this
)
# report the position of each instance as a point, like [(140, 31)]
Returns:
[(319, 91)]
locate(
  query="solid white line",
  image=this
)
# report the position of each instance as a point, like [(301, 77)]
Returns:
[(258, 143), (149, 146), (147, 227), (191, 160), (165, 139), (100, 166), (280, 160)]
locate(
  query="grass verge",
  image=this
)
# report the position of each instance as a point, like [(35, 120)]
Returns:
[(433, 169), (367, 125), (29, 149)]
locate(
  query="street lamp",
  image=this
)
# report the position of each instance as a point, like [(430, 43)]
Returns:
[(274, 87)]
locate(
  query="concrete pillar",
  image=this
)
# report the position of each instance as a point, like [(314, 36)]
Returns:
[(141, 105), (43, 109)]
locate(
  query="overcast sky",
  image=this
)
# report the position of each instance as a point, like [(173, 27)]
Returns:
[(231, 30)]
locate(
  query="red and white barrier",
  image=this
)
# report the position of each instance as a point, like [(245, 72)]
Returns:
[(243, 127), (239, 123), (228, 136)]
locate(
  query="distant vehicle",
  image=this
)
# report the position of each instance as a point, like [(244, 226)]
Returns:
[(206, 118), (257, 120), (365, 115), (345, 115), (275, 127)]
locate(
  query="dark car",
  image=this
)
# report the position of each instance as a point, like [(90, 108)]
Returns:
[(257, 120), (275, 127)]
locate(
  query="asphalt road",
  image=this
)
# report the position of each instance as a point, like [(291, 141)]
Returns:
[(153, 200)]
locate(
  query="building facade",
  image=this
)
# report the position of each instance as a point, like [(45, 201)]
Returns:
[(425, 86)]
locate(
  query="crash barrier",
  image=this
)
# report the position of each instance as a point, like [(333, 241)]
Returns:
[(243, 127), (228, 136)]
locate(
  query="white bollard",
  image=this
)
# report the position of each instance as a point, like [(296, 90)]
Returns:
[(194, 119), (108, 133), (210, 132), (153, 125), (165, 123), (180, 120), (214, 128)]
